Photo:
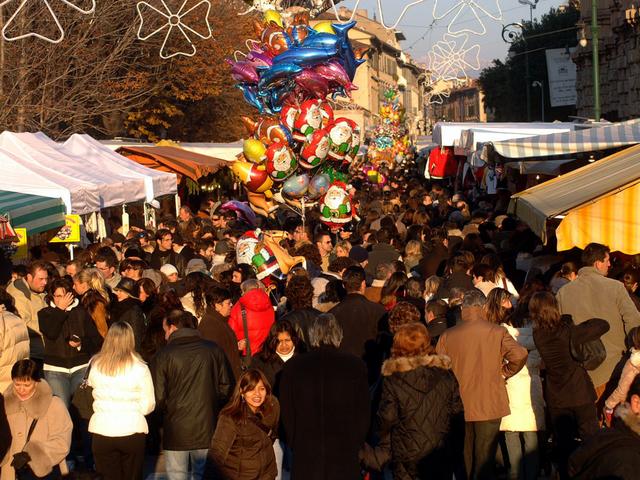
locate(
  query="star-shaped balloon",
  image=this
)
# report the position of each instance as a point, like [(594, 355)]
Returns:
[(175, 26), (450, 58), (50, 13), (462, 11)]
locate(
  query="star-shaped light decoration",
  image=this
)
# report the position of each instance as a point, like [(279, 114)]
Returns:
[(462, 9), (381, 11), (175, 23), (450, 58), (51, 14), (437, 98)]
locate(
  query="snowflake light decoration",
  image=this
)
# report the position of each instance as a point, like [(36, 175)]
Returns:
[(174, 22), (450, 58), (461, 9), (437, 98), (380, 10), (51, 13)]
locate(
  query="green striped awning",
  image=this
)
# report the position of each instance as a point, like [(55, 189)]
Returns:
[(36, 214)]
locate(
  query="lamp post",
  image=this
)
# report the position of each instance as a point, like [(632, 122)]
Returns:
[(512, 33), (596, 60), (538, 83)]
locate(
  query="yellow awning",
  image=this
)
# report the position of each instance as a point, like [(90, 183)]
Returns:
[(613, 220)]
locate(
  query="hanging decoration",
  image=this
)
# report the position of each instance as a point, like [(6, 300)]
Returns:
[(50, 12), (175, 25), (450, 58), (298, 150), (464, 10), (380, 11)]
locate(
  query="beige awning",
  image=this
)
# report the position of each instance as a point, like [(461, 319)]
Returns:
[(565, 193)]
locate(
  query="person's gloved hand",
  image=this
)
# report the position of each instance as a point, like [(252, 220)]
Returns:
[(20, 459)]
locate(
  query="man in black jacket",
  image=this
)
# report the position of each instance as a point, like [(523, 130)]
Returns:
[(325, 406), (193, 381), (613, 453), (164, 253), (359, 319)]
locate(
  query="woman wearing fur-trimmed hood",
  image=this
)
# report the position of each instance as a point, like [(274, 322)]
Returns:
[(419, 398)]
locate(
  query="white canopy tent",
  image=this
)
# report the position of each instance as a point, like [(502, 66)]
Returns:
[(156, 183), (54, 164), (448, 134), (26, 177)]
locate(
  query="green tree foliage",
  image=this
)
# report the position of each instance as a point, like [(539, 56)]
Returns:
[(504, 82)]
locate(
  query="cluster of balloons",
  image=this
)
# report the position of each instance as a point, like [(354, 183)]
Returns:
[(299, 152), (293, 61), (391, 142)]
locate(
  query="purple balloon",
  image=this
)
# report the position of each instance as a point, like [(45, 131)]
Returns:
[(259, 59), (334, 72), (313, 83), (243, 72)]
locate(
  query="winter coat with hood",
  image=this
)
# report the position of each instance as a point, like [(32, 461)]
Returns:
[(14, 345), (524, 389), (592, 295), (260, 316), (478, 350), (51, 438), (243, 450), (419, 398), (612, 453)]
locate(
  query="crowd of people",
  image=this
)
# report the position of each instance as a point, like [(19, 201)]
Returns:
[(432, 337)]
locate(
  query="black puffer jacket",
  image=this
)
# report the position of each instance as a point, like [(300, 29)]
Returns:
[(419, 400), (193, 381)]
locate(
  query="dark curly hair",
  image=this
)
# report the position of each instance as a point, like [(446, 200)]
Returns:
[(299, 292), (310, 253)]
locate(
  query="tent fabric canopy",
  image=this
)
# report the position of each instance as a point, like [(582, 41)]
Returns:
[(448, 134), (173, 159), (156, 183), (35, 213), (566, 193), (588, 140)]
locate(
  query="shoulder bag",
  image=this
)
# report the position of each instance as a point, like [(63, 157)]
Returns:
[(83, 396)]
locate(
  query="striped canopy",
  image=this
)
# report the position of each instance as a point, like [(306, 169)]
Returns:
[(596, 203), (36, 214), (588, 140)]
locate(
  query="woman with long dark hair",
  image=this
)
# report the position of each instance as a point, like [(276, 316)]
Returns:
[(242, 445), (498, 306), (569, 394), (193, 301), (393, 290)]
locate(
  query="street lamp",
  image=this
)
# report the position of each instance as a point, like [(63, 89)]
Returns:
[(511, 34), (538, 83)]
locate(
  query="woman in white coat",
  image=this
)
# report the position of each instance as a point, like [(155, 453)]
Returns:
[(122, 395), (525, 395)]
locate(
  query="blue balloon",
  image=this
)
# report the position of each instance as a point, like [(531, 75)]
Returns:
[(250, 95), (321, 40), (305, 57), (281, 72), (345, 53)]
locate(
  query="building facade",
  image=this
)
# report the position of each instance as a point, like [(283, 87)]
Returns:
[(619, 31), (456, 101)]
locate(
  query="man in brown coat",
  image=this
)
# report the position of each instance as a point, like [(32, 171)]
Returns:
[(593, 295), (483, 355)]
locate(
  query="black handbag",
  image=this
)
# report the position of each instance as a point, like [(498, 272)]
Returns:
[(589, 354), (83, 397)]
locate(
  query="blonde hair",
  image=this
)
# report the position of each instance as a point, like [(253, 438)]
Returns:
[(93, 278), (413, 249), (343, 244), (432, 284), (118, 351)]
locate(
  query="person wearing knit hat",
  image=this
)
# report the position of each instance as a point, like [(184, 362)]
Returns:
[(170, 272)]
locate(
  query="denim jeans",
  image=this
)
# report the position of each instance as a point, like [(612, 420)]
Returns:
[(480, 445), (177, 463), (523, 455), (64, 385)]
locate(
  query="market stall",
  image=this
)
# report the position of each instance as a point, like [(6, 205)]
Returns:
[(35, 213), (595, 203)]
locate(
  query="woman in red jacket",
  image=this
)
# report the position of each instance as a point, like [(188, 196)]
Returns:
[(259, 314)]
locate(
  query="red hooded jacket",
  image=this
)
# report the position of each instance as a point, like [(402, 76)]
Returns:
[(260, 317)]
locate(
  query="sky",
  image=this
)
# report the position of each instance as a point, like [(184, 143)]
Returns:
[(423, 31)]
